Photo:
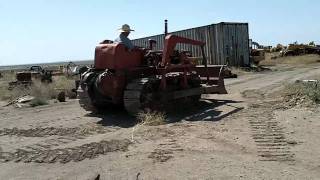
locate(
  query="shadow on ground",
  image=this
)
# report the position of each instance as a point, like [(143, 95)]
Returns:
[(114, 117), (204, 110)]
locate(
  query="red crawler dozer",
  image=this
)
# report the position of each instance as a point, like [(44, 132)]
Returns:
[(145, 79)]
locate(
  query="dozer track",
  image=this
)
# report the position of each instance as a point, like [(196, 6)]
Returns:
[(143, 94), (133, 95), (89, 97), (84, 99)]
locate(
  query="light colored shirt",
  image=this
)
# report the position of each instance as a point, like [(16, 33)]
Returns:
[(124, 40)]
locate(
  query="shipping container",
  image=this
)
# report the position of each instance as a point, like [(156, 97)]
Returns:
[(226, 43)]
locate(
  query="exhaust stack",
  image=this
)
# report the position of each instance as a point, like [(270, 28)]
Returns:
[(165, 27)]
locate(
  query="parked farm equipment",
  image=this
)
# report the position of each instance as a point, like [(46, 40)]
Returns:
[(257, 55), (25, 78)]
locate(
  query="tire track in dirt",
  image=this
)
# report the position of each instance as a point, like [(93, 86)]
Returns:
[(50, 131), (269, 136), (272, 81), (42, 152), (266, 132), (166, 142), (165, 151), (78, 153)]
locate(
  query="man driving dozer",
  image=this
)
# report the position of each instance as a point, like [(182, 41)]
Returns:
[(123, 37)]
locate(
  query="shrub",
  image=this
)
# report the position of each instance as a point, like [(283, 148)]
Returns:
[(38, 101), (301, 91), (65, 84), (41, 91), (151, 118)]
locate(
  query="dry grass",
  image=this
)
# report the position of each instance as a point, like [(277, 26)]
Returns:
[(239, 71), (302, 93), (269, 59), (305, 59), (293, 60), (63, 83), (38, 101), (42, 92), (8, 76), (151, 118), (6, 94)]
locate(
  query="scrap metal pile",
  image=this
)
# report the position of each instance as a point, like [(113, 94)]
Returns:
[(300, 49)]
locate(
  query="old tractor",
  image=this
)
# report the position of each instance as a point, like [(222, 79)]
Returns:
[(24, 79), (38, 72), (145, 79)]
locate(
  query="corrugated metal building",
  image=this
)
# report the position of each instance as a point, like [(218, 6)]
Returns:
[(226, 43)]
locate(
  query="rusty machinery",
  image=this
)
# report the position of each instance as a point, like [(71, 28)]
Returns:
[(141, 79), (300, 49), (24, 78), (44, 75), (257, 52)]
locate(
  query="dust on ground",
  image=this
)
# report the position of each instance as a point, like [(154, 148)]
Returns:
[(246, 134)]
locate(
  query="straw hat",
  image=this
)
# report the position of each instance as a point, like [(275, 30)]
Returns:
[(125, 28)]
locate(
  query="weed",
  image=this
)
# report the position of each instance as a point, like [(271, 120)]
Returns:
[(151, 118), (38, 101), (302, 92), (293, 60)]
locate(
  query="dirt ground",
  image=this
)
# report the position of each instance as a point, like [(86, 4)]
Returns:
[(246, 134)]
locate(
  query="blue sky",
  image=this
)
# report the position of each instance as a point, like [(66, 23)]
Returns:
[(35, 31)]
